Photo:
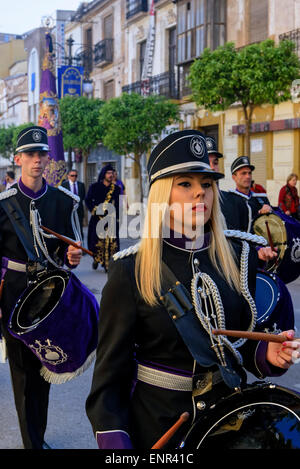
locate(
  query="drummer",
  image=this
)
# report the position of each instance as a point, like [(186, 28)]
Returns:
[(147, 372), (241, 206), (254, 203), (55, 206)]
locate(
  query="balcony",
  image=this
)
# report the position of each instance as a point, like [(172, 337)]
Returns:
[(164, 84), (83, 58), (293, 36), (104, 52), (135, 6)]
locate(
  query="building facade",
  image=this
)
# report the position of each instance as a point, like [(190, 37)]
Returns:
[(94, 39), (109, 39), (275, 132)]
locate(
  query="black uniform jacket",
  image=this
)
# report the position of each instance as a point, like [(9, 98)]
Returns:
[(241, 210), (130, 331), (55, 208)]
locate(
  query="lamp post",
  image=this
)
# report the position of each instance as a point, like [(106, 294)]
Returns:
[(70, 41)]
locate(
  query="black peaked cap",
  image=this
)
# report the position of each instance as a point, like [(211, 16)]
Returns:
[(212, 147), (180, 152), (241, 162), (32, 138)]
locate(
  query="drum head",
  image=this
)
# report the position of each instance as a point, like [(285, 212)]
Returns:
[(267, 418), (278, 233), (267, 296), (37, 302)]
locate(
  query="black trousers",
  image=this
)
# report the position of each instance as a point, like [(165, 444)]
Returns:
[(31, 392)]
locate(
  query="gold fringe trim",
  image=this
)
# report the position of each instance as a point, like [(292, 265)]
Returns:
[(60, 378)]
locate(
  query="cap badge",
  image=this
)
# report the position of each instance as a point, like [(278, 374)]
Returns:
[(209, 143), (197, 147), (37, 136)]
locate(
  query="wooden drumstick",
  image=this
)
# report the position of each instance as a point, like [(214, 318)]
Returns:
[(269, 236), (168, 435), (67, 240), (252, 335)]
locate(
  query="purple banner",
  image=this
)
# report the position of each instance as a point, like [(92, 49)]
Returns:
[(49, 118)]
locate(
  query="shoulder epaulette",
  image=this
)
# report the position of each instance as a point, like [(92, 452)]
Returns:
[(69, 193), (232, 191), (245, 236), (259, 194), (126, 252), (8, 193)]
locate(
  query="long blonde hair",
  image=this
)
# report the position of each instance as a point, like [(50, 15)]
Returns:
[(149, 255)]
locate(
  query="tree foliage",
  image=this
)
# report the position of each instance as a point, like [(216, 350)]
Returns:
[(130, 123), (251, 76), (8, 138), (80, 125)]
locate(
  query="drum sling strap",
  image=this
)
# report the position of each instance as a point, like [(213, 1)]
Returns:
[(178, 302), (21, 226)]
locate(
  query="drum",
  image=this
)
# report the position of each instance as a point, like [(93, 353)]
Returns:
[(56, 317), (285, 234), (275, 311), (262, 416)]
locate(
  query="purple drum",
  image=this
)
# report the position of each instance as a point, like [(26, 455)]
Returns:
[(56, 317), (285, 233), (275, 311)]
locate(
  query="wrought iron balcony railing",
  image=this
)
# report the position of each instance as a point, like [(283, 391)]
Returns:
[(83, 58), (164, 84), (135, 6), (294, 36), (104, 52)]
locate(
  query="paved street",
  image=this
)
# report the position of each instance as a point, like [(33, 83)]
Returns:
[(68, 426)]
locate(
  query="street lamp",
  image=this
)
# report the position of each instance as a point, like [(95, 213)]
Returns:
[(84, 56)]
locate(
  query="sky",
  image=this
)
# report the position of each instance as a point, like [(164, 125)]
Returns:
[(19, 16)]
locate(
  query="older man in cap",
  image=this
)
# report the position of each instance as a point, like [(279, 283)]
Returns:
[(241, 205), (253, 204), (22, 261)]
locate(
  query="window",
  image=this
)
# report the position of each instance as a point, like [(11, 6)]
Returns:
[(108, 27), (87, 53), (109, 89), (201, 23), (258, 21), (142, 47)]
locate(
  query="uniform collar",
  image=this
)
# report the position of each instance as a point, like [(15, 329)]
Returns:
[(242, 193), (30, 193), (180, 241)]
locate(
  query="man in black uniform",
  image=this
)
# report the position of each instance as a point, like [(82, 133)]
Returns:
[(55, 208), (213, 153), (241, 205)]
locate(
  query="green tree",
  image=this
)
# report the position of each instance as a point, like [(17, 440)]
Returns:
[(80, 125), (251, 76), (131, 123), (8, 139)]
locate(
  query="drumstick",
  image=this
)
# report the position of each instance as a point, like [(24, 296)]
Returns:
[(1, 287), (168, 435), (67, 240), (252, 335), (269, 236)]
